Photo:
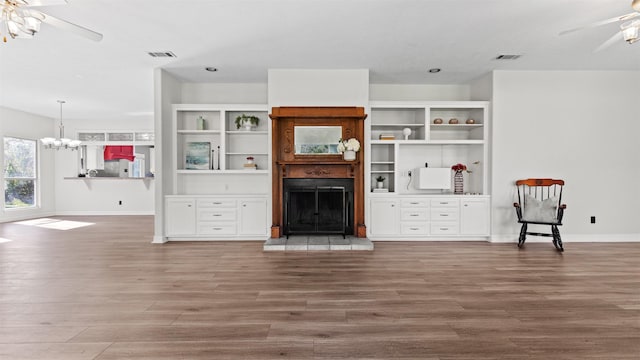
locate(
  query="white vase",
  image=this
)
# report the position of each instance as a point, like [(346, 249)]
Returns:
[(349, 155), (247, 126), (380, 184)]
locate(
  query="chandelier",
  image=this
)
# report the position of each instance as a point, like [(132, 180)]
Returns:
[(61, 142), (18, 21)]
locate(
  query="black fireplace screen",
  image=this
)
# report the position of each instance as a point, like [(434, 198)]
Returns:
[(318, 206)]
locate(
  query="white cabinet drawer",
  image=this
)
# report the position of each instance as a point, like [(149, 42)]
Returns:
[(445, 203), (405, 203), (213, 228), (414, 228), (444, 214), (444, 228), (414, 214), (216, 203), (217, 215)]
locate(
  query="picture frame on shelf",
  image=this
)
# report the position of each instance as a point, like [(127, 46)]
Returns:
[(198, 155)]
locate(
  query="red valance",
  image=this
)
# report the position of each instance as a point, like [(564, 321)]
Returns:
[(118, 152)]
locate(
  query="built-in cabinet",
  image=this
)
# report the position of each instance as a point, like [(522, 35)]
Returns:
[(426, 217), (220, 183), (407, 136), (216, 196), (216, 217)]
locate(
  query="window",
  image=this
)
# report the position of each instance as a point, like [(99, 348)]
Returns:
[(19, 173)]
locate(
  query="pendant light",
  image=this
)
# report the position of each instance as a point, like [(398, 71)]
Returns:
[(61, 142)]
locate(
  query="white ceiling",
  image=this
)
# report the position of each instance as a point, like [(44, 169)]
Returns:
[(397, 40)]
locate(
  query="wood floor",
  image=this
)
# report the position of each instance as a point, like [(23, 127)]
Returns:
[(105, 292)]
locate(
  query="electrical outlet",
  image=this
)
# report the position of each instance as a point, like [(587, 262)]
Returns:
[(409, 172), (593, 219), (119, 202)]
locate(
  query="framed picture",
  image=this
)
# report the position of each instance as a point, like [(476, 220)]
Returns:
[(198, 156)]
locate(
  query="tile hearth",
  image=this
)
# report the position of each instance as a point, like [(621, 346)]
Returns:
[(318, 243)]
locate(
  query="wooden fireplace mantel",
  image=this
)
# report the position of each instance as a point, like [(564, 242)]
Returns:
[(286, 164)]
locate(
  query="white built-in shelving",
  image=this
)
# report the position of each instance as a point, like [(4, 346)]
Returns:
[(430, 143), (214, 195)]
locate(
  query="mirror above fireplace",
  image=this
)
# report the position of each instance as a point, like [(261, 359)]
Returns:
[(316, 140)]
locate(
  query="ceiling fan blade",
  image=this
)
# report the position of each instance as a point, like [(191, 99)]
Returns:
[(77, 29), (616, 37), (41, 2), (603, 22)]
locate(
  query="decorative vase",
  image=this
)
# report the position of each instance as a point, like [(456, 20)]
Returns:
[(349, 155), (380, 184), (247, 126), (458, 183), (201, 124), (406, 132)]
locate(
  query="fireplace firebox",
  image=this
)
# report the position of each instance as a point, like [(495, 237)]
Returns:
[(318, 206)]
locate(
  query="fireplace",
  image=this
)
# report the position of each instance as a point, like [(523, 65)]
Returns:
[(316, 193), (318, 206)]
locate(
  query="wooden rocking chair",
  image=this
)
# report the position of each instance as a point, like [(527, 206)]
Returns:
[(540, 203)]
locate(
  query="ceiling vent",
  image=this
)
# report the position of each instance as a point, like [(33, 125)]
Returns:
[(507, 57), (161, 54)]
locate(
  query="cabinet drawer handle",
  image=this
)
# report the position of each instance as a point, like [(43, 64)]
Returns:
[(444, 203), (444, 214), (217, 203), (217, 228), (444, 229), (414, 228), (393, 205), (189, 205), (414, 215), (414, 203), (217, 214)]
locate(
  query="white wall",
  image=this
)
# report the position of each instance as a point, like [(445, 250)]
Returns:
[(579, 126), (394, 92), (296, 87), (208, 93), (167, 91), (100, 196), (20, 124)]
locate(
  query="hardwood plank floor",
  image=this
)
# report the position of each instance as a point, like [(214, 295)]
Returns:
[(103, 291)]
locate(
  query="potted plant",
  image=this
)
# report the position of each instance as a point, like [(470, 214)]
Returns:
[(380, 182), (248, 121)]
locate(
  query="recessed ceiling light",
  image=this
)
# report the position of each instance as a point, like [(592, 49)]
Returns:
[(211, 69), (435, 70)]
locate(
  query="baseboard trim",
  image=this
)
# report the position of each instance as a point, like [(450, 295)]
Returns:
[(425, 239), (21, 215), (567, 238), (103, 213), (159, 239)]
